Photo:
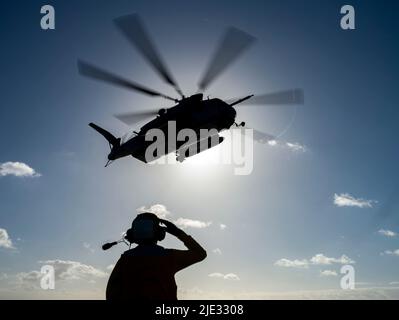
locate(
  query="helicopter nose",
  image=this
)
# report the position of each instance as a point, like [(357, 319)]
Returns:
[(229, 118), (111, 156), (232, 114)]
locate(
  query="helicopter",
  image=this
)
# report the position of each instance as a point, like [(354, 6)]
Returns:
[(193, 112)]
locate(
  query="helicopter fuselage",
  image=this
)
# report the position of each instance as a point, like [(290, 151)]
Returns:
[(190, 113)]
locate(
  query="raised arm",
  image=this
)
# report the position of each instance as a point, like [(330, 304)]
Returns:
[(184, 258)]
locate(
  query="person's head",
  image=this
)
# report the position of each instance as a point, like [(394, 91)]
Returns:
[(145, 229)]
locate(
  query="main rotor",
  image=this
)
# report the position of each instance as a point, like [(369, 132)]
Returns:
[(233, 44)]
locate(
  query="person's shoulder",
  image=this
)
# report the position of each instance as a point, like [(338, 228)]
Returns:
[(144, 251), (128, 252), (173, 251)]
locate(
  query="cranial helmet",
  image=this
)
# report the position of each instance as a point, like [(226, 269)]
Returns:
[(145, 227)]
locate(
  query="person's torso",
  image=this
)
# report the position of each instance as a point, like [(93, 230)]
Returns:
[(148, 273)]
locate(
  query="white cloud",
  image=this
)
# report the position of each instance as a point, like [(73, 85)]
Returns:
[(328, 273), (318, 259), (387, 233), (88, 246), (3, 276), (217, 251), (29, 279), (184, 223), (346, 200), (162, 212), (370, 293), (18, 169), (222, 226), (111, 267), (227, 276), (292, 263), (70, 270), (5, 240), (293, 146), (231, 276), (216, 275), (158, 209), (392, 253), (321, 259), (296, 147)]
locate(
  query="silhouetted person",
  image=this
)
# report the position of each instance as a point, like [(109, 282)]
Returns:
[(147, 272)]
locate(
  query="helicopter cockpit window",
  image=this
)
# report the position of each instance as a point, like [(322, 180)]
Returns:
[(126, 137)]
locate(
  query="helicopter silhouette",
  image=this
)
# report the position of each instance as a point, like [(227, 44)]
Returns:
[(191, 112)]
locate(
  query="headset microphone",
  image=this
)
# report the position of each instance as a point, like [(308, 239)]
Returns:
[(145, 227), (109, 245)]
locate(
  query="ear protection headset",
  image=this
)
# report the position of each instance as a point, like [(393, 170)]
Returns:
[(145, 227)]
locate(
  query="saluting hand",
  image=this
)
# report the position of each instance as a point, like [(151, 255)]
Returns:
[(171, 228)]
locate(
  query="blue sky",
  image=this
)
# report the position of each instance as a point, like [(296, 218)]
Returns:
[(284, 210)]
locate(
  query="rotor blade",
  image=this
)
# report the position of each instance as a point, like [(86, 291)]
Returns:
[(131, 118), (240, 100), (94, 72), (233, 44), (258, 136), (262, 137), (287, 97), (133, 29)]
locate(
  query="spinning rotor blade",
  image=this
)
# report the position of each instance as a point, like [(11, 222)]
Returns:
[(262, 137), (287, 97), (133, 29), (94, 72), (233, 44), (259, 136), (130, 118)]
